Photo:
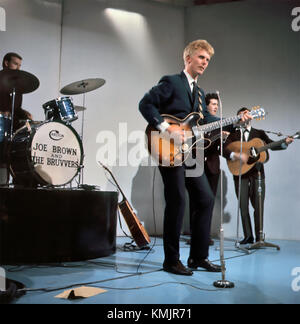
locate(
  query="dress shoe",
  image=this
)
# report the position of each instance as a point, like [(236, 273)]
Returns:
[(247, 240), (177, 268), (204, 263)]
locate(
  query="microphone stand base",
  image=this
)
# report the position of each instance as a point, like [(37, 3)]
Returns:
[(223, 284), (262, 244)]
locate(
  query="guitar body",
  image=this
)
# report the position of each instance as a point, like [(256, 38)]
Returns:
[(166, 150), (248, 148), (135, 227)]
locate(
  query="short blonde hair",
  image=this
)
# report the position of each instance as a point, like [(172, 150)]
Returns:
[(195, 45)]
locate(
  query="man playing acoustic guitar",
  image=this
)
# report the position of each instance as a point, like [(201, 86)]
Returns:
[(250, 167)]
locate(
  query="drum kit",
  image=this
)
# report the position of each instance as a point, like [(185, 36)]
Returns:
[(47, 153)]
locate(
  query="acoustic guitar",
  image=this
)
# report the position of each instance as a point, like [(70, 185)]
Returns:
[(257, 151), (135, 227), (167, 151)]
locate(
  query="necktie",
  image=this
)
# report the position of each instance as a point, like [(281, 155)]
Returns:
[(246, 134), (197, 96)]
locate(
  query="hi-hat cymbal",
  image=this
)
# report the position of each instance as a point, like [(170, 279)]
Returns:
[(21, 81), (83, 86)]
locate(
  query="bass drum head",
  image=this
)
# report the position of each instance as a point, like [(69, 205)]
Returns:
[(56, 154)]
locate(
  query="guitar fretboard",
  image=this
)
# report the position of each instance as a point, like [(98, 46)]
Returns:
[(258, 113), (218, 124)]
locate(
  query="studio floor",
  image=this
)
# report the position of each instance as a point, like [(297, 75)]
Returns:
[(264, 276)]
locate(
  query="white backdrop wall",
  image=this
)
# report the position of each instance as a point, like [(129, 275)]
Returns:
[(33, 31), (257, 63), (131, 44)]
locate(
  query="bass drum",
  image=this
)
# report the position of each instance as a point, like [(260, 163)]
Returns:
[(48, 154)]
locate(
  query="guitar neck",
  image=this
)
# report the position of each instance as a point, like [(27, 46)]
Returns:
[(257, 113), (218, 124), (270, 146), (274, 144), (116, 182)]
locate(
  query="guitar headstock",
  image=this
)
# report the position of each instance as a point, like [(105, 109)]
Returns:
[(297, 135), (258, 113)]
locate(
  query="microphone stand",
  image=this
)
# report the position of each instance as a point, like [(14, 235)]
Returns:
[(223, 283), (261, 243), (237, 244)]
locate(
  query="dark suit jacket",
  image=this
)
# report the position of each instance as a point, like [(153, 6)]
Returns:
[(172, 95), (254, 133), (212, 159)]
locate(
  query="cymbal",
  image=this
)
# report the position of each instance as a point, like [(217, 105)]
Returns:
[(33, 122), (82, 86), (79, 108), (21, 81)]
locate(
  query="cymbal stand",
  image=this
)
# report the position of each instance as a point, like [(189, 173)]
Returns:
[(13, 94), (81, 135), (261, 243), (223, 283)]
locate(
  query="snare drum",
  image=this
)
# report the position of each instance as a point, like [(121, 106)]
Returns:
[(49, 154), (5, 127), (60, 109)]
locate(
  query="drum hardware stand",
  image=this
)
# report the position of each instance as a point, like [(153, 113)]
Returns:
[(13, 94), (83, 85), (82, 130), (261, 243), (223, 283)]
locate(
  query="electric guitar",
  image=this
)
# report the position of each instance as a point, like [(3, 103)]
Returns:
[(168, 151), (257, 151), (135, 227)]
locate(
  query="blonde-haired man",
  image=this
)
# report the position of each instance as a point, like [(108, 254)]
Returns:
[(179, 95)]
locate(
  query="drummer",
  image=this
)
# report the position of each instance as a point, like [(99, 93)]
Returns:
[(13, 61)]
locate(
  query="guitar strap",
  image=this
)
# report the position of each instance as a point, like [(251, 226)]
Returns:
[(197, 100)]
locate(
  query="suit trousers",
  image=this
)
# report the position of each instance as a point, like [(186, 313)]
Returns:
[(202, 200), (250, 191)]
